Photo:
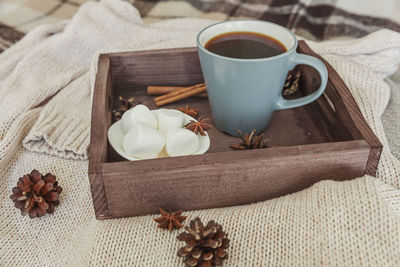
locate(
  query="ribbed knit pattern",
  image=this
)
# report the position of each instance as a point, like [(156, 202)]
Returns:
[(353, 223)]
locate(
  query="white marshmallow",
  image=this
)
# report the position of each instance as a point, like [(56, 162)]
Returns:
[(181, 142), (170, 119), (138, 114), (143, 142)]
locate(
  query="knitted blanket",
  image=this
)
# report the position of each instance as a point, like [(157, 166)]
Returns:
[(45, 103), (316, 19)]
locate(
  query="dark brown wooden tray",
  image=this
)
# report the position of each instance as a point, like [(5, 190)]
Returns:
[(327, 139)]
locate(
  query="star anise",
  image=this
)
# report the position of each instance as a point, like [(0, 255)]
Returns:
[(127, 103), (170, 220), (199, 126), (251, 141), (189, 111)]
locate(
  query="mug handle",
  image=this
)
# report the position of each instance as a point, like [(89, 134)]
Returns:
[(317, 64)]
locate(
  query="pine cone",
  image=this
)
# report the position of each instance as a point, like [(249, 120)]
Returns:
[(36, 194), (205, 246), (292, 83)]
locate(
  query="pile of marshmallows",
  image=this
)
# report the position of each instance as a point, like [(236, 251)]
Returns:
[(148, 133)]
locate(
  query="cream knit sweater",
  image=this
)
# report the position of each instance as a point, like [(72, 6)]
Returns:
[(45, 104)]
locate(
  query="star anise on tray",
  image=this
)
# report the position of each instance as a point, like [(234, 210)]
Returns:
[(36, 194), (170, 220), (199, 126), (251, 141), (292, 83), (189, 111), (127, 103)]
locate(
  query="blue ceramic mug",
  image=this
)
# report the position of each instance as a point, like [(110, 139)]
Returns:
[(244, 93)]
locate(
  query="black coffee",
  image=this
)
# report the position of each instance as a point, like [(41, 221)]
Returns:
[(245, 45)]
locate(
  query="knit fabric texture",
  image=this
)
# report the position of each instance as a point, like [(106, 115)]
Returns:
[(391, 117), (46, 83)]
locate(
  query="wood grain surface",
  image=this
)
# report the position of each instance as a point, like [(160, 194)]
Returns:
[(327, 139), (101, 119), (227, 178), (349, 112)]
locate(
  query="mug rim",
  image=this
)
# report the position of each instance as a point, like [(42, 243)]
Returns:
[(294, 46)]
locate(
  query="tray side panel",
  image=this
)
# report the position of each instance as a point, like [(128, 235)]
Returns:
[(226, 179), (321, 111), (167, 67), (349, 112), (100, 121)]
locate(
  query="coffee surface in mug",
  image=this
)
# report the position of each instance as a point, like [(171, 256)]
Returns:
[(245, 45)]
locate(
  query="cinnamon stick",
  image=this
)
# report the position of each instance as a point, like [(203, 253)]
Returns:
[(155, 90), (180, 94)]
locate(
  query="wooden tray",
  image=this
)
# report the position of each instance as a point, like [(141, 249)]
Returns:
[(327, 139)]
